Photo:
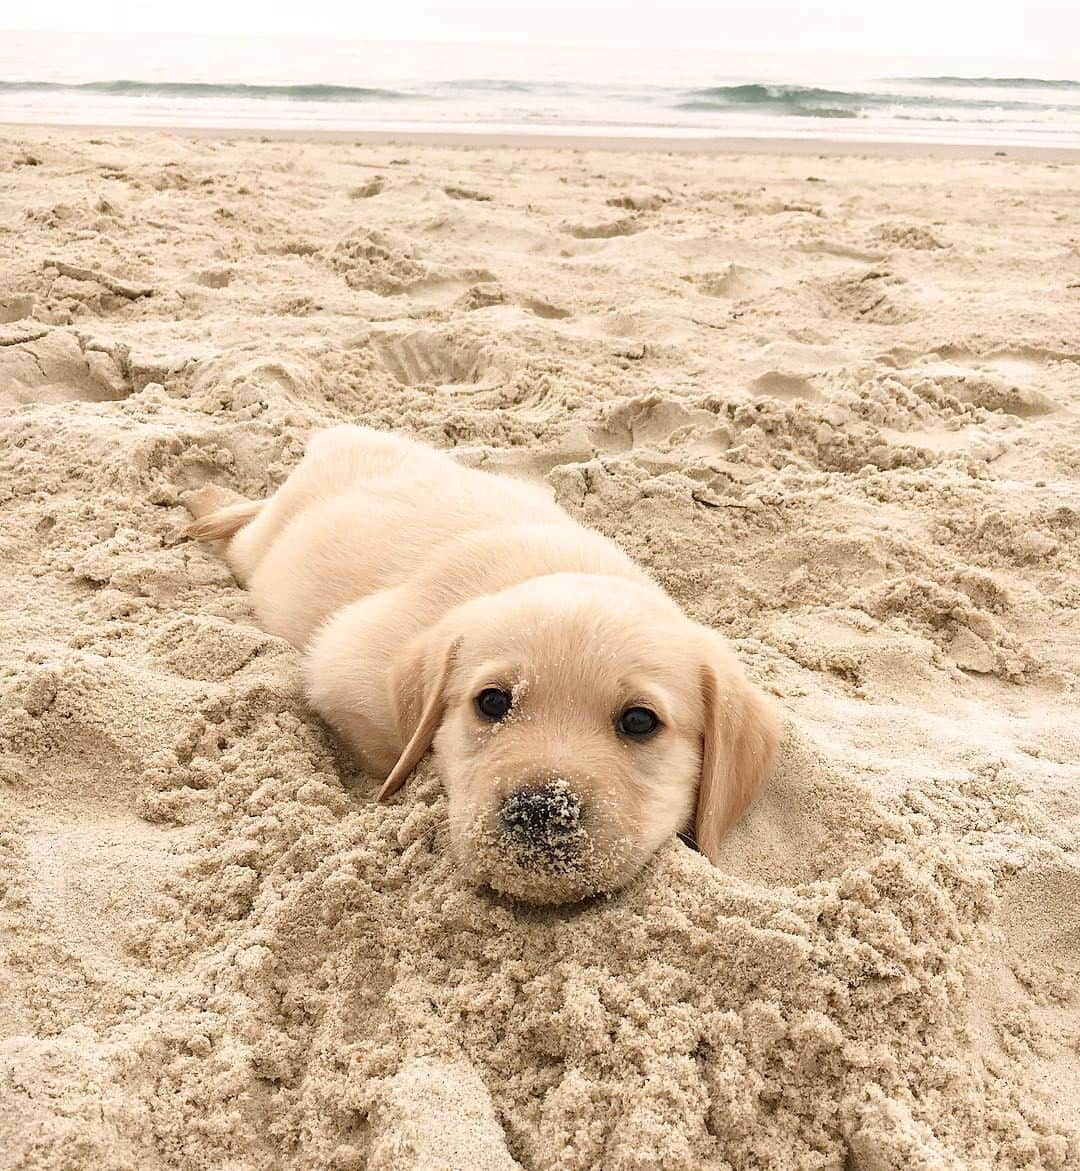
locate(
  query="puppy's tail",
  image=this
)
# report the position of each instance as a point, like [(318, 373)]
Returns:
[(224, 523), (216, 520)]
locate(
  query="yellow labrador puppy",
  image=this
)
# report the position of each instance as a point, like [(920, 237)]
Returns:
[(577, 717)]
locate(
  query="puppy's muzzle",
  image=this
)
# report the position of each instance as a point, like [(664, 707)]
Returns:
[(542, 823)]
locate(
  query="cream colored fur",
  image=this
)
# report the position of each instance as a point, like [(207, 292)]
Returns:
[(411, 583)]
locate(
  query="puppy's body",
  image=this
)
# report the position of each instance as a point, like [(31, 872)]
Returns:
[(412, 583), (366, 512)]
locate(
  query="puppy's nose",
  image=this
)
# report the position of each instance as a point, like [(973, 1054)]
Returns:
[(545, 817)]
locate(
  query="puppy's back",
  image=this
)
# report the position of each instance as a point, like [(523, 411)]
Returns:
[(381, 531), (366, 511)]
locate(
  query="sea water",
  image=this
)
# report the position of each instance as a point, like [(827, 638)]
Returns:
[(267, 83)]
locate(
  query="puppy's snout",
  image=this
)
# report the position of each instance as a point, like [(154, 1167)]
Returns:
[(545, 818)]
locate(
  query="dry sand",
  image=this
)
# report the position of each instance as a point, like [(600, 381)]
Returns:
[(831, 402)]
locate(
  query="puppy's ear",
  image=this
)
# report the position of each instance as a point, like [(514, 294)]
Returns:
[(741, 732), (418, 685)]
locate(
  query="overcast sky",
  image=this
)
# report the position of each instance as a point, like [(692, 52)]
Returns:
[(995, 35)]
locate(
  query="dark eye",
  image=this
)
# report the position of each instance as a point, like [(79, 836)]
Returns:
[(493, 703), (637, 723)]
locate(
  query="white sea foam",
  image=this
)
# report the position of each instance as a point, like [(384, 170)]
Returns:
[(314, 85)]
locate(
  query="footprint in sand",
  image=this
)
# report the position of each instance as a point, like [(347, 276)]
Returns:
[(367, 190), (780, 385), (604, 229), (482, 296), (429, 358), (651, 421), (467, 193), (42, 365), (1010, 395), (545, 309), (124, 290), (869, 297), (1028, 361), (1018, 381), (639, 200), (735, 282)]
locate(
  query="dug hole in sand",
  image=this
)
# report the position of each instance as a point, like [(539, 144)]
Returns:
[(819, 398)]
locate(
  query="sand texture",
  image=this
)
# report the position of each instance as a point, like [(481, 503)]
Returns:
[(832, 403)]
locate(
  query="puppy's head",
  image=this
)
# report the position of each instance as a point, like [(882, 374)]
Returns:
[(578, 721)]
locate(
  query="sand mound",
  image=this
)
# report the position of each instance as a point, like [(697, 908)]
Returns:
[(217, 951)]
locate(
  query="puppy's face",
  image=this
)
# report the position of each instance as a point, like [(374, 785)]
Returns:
[(569, 724)]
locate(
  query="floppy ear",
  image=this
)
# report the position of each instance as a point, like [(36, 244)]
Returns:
[(741, 732), (418, 686)]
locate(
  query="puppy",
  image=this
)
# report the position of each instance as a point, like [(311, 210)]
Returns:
[(577, 717)]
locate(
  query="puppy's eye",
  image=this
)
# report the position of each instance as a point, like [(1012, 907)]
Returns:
[(637, 723), (494, 704)]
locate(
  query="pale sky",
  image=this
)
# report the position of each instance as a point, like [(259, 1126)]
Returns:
[(977, 30)]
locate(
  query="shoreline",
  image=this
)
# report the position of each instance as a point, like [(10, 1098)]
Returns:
[(727, 145)]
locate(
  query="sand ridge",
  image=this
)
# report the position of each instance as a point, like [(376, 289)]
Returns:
[(830, 402)]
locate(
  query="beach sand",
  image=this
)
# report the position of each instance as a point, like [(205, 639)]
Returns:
[(830, 401)]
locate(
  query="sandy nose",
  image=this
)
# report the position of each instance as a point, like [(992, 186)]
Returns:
[(544, 816)]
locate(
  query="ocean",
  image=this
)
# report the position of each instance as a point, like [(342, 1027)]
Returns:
[(300, 85)]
